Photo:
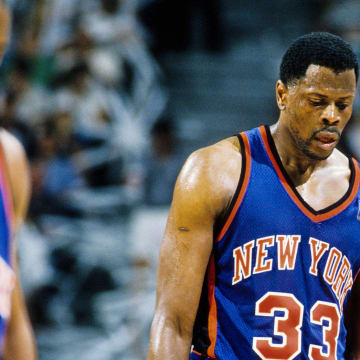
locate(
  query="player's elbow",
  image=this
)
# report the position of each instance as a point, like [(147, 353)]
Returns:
[(175, 323), (169, 332)]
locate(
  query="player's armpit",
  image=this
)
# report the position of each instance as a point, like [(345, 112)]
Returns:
[(200, 195)]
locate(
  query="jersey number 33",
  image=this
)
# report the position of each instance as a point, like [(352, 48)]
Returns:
[(288, 327)]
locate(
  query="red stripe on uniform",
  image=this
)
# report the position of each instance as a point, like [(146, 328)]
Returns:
[(6, 192), (243, 187), (212, 319)]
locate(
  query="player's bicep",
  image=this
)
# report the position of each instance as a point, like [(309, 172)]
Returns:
[(186, 248), (182, 265)]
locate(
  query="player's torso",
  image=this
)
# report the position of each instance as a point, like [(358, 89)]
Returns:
[(280, 273)]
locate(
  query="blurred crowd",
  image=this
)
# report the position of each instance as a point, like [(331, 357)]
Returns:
[(83, 93)]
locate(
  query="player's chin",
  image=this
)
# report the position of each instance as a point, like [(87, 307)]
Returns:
[(323, 149), (316, 154)]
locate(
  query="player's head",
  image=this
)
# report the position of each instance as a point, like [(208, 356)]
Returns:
[(315, 93), (4, 27), (319, 48)]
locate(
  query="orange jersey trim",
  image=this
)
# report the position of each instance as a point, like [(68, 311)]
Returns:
[(314, 217), (197, 353), (356, 275), (212, 318), (247, 155), (6, 192), (202, 355)]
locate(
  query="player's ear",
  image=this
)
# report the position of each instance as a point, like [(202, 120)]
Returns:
[(282, 93)]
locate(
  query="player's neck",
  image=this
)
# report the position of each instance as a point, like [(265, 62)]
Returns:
[(298, 166)]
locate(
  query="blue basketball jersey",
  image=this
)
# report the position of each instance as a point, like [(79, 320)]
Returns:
[(280, 273), (7, 276)]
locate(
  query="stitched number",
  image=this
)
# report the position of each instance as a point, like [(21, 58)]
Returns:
[(286, 326), (325, 311)]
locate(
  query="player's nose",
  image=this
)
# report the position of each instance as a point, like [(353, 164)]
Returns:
[(330, 116)]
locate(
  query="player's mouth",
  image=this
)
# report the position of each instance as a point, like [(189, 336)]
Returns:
[(326, 140)]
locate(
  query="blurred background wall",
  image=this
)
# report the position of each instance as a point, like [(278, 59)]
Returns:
[(108, 98)]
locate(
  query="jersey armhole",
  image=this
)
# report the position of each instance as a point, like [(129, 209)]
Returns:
[(225, 221)]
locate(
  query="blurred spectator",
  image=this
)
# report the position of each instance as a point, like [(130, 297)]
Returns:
[(110, 24), (30, 106), (120, 58), (88, 104), (163, 165), (58, 21), (53, 171), (9, 120)]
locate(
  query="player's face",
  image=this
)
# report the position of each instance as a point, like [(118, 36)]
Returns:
[(4, 29), (317, 109)]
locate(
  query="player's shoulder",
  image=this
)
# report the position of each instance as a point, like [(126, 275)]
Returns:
[(218, 156), (211, 174), (342, 159), (335, 172), (17, 172), (11, 144), (217, 159), (338, 160), (13, 152)]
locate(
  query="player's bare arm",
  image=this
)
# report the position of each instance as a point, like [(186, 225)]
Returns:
[(19, 342), (203, 191)]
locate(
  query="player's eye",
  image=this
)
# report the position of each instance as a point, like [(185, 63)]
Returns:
[(341, 106), (317, 102)]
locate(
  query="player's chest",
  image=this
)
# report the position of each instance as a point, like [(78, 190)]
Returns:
[(323, 190)]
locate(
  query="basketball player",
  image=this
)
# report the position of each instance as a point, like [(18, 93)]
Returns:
[(262, 247), (16, 337)]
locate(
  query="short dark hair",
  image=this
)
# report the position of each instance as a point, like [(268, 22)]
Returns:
[(317, 48)]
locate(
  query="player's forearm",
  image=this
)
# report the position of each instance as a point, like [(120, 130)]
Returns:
[(20, 344), (168, 342), (19, 341)]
